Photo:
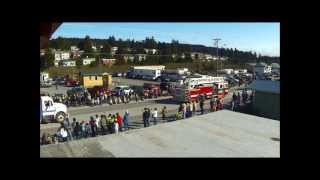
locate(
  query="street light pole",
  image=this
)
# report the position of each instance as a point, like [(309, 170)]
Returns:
[(217, 44)]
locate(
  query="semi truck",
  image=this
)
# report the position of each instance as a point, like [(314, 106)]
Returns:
[(51, 111)]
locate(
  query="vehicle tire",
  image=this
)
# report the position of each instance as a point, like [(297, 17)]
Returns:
[(60, 117)]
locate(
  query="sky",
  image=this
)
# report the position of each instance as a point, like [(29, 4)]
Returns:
[(262, 38)]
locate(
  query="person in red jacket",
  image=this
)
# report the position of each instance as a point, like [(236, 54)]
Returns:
[(119, 120)]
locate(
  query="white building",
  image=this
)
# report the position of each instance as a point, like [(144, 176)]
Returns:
[(107, 61), (74, 48), (114, 50), (61, 55), (208, 57), (129, 57), (68, 63), (141, 57), (151, 51), (87, 61)]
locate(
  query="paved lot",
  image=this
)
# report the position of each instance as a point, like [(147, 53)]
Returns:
[(220, 134)]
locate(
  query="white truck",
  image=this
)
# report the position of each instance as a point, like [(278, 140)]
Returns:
[(51, 111)]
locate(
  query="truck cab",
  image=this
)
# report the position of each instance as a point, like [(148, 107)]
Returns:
[(51, 111)]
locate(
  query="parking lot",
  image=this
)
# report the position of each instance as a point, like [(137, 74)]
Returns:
[(125, 81)]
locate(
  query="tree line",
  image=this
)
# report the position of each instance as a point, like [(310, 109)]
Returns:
[(164, 54), (137, 47)]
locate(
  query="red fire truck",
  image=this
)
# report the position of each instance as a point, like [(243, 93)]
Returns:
[(184, 94), (192, 88)]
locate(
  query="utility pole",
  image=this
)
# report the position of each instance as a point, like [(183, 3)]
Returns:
[(216, 40)]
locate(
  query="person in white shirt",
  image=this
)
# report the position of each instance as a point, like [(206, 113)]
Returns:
[(64, 134), (97, 123), (155, 115)]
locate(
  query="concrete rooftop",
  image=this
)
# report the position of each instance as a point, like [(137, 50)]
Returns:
[(220, 134)]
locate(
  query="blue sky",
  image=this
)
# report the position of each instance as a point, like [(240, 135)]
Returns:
[(262, 38)]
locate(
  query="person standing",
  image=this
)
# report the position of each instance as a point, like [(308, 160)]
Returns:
[(136, 97), (109, 123), (194, 107), (76, 131), (83, 129), (103, 124), (184, 110), (116, 125), (88, 132), (145, 118), (97, 121), (126, 120), (119, 121), (201, 105), (93, 126), (73, 125), (234, 97), (191, 109), (221, 103), (232, 105), (114, 120), (155, 116), (164, 112), (211, 104), (239, 98)]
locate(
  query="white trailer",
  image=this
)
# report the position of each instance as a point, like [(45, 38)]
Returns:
[(147, 72)]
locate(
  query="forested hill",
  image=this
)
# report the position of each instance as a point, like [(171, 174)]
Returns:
[(174, 47)]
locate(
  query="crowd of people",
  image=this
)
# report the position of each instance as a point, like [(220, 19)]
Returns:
[(98, 125), (103, 97), (115, 123), (190, 108), (245, 98)]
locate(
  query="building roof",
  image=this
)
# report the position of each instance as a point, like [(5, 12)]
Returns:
[(219, 134), (266, 86)]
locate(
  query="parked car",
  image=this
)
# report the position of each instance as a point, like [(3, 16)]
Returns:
[(72, 83), (117, 74), (60, 81), (126, 89)]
